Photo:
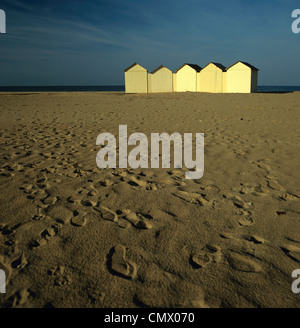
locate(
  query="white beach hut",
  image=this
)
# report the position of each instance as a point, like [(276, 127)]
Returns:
[(210, 78), (186, 78), (136, 79), (241, 77), (161, 80)]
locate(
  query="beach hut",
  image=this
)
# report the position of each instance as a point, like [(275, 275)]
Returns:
[(210, 78), (241, 77), (161, 80), (136, 79), (174, 82), (186, 78)]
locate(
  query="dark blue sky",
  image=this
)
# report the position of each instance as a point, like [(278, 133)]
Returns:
[(91, 42)]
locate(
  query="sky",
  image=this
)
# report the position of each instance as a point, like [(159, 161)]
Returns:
[(91, 42)]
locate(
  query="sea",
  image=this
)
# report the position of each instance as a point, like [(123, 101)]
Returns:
[(121, 88)]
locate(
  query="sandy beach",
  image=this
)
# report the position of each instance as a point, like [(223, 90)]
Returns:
[(73, 235)]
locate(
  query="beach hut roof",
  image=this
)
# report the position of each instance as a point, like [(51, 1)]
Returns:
[(222, 67), (197, 68), (245, 63), (158, 68), (134, 64)]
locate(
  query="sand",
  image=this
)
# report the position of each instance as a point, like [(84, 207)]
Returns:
[(72, 235)]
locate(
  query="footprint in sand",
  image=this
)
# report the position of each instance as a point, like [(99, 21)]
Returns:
[(40, 195), (289, 197), (227, 235), (8, 230), (6, 174), (246, 188), (27, 188), (110, 215), (238, 202), (20, 263), (72, 174), (50, 200), (176, 175), (107, 214), (122, 223), (262, 165), (89, 190), (255, 190), (192, 197), (208, 254), (137, 182), (120, 173), (19, 298), (294, 237), (46, 235), (242, 263), (254, 239), (61, 214), (56, 270), (86, 196), (51, 169), (90, 202), (35, 193), (188, 295), (79, 218), (239, 152), (270, 177), (136, 219), (261, 191), (281, 212), (59, 273), (251, 238), (152, 186), (125, 219), (15, 167), (106, 183), (26, 226), (141, 184), (39, 216), (292, 251), (246, 221), (273, 184), (49, 155), (74, 199), (10, 247), (41, 179), (120, 265)]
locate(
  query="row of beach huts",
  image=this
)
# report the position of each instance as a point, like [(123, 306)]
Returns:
[(241, 77)]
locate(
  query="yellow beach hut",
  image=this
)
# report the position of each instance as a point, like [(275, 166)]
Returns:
[(241, 77), (161, 80), (186, 78), (136, 79), (210, 78)]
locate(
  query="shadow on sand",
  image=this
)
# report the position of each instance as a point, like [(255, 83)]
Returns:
[(274, 92)]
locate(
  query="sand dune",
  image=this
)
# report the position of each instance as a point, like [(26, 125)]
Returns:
[(72, 235)]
